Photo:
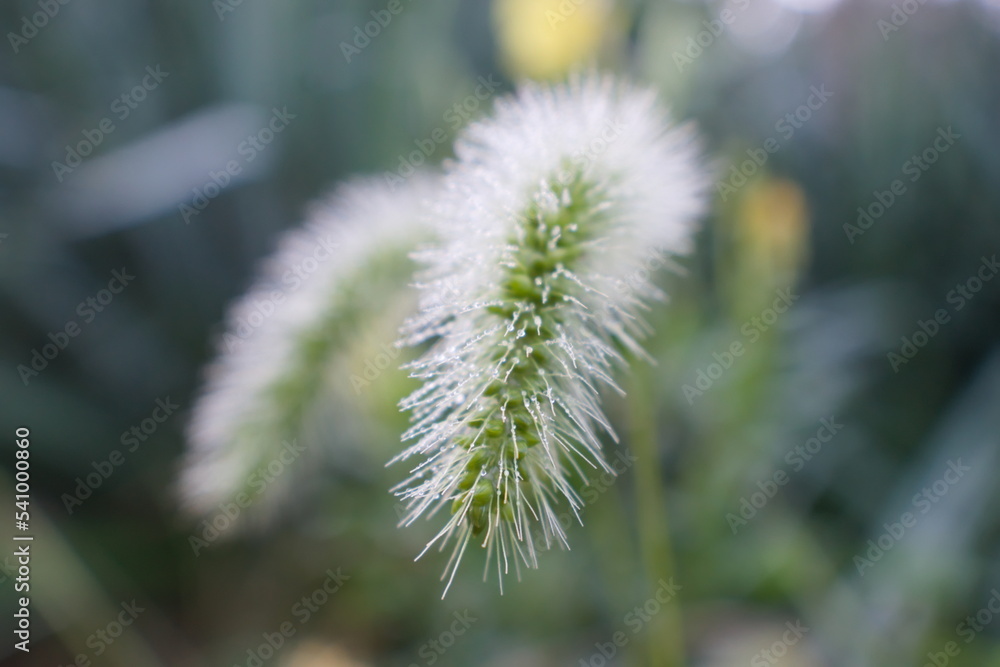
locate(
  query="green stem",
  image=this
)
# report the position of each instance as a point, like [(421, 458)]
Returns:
[(614, 547), (664, 636)]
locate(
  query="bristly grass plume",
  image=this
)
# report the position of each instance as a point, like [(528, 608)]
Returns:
[(532, 296), (325, 282), (549, 211)]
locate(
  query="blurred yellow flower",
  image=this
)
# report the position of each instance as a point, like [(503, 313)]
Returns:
[(544, 39), (773, 225)]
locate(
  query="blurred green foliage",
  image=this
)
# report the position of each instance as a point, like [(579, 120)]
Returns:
[(856, 297)]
